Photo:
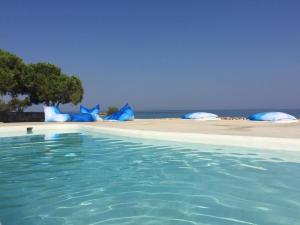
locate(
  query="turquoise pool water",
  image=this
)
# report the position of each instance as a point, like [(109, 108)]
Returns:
[(82, 179)]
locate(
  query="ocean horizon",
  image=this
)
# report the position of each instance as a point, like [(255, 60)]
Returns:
[(160, 114), (157, 114)]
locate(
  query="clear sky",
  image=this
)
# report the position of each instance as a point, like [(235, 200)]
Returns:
[(165, 54)]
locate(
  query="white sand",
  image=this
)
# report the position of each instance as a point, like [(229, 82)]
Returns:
[(267, 135)]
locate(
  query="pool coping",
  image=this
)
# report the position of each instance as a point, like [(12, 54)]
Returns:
[(269, 143)]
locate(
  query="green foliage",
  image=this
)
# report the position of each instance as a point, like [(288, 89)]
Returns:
[(46, 69), (38, 83), (18, 105), (14, 105), (50, 86), (13, 77), (4, 107), (111, 110), (13, 74)]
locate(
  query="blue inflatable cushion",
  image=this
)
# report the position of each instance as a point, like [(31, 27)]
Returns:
[(94, 110), (271, 116), (124, 114), (82, 117)]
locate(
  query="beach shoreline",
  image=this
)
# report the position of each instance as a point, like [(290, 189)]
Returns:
[(239, 127), (241, 133)]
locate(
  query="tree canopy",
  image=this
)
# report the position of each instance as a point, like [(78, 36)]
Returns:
[(13, 73), (50, 86), (40, 83)]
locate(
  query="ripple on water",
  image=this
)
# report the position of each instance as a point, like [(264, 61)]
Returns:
[(82, 180)]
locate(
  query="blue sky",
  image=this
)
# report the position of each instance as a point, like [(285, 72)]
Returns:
[(165, 54)]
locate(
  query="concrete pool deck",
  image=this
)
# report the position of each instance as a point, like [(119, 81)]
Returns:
[(280, 136)]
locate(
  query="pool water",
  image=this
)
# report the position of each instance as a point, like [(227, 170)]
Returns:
[(82, 179)]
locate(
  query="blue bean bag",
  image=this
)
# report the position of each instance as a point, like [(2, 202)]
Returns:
[(82, 117), (200, 116), (124, 114), (93, 111), (272, 116), (53, 114)]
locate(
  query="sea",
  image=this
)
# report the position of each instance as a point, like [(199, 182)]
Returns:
[(221, 113)]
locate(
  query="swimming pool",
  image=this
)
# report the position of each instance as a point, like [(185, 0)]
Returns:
[(87, 178)]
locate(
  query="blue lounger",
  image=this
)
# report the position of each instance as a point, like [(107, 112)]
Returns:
[(124, 114), (82, 117), (93, 111), (200, 116), (273, 116), (53, 114)]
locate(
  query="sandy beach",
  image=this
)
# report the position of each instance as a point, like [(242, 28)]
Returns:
[(222, 127), (219, 127), (242, 133)]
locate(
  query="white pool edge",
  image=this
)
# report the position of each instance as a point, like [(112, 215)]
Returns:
[(287, 144)]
